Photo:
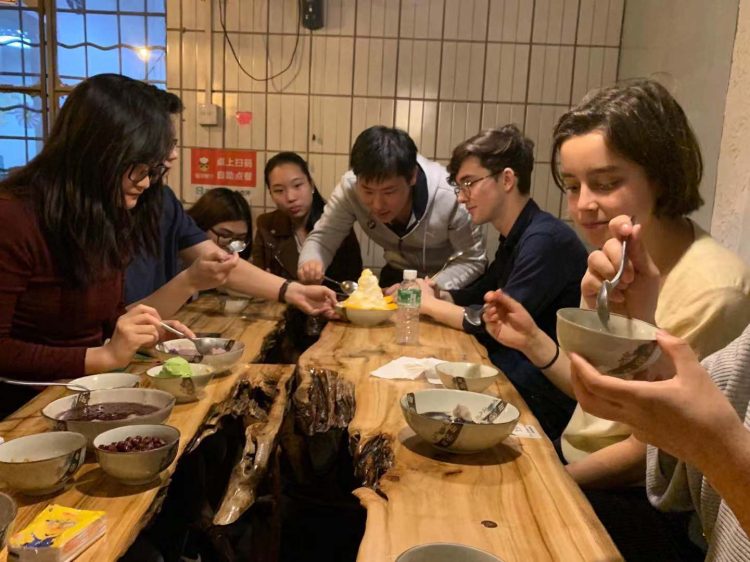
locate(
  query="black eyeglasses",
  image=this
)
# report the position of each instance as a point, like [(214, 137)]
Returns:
[(139, 171), (224, 237), (466, 185)]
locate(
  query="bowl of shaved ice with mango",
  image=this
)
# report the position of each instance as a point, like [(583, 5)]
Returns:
[(367, 306), (185, 381)]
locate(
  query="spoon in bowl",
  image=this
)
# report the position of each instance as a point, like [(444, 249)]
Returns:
[(348, 287), (76, 387), (81, 401)]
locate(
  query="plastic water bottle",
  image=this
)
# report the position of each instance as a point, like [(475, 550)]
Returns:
[(408, 299)]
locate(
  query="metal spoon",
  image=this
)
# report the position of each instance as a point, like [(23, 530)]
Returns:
[(76, 387), (81, 401), (602, 299), (236, 246), (348, 287), (182, 335), (450, 260)]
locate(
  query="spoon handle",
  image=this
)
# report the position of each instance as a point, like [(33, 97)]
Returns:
[(326, 278), (42, 383), (169, 328)]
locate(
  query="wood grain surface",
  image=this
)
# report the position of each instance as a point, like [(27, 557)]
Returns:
[(515, 500)]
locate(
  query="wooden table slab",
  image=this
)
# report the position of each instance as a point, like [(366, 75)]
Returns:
[(129, 508), (515, 501)]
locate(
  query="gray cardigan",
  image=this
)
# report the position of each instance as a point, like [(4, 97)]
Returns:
[(674, 486), (444, 229)]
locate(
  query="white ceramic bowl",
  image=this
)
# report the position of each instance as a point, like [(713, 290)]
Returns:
[(8, 512), (137, 467), (446, 552), (184, 389), (457, 437), (460, 375), (627, 347), (185, 348), (105, 381), (362, 317), (41, 463), (163, 401)]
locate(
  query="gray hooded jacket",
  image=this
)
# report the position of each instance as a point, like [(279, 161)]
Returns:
[(444, 229)]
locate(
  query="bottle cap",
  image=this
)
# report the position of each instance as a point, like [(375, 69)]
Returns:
[(410, 274)]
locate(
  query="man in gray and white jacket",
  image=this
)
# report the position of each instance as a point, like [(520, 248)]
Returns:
[(403, 202)]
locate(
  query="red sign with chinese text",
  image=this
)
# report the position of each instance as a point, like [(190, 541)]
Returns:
[(218, 166)]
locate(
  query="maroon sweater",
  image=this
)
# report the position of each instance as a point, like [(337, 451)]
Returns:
[(46, 326)]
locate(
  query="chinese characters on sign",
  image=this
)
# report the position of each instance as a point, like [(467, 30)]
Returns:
[(221, 167)]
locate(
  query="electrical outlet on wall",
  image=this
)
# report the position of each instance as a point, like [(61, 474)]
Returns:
[(208, 114)]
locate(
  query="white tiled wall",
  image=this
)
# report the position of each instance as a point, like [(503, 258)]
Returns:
[(440, 69)]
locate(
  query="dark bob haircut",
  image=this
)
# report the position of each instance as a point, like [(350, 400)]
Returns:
[(221, 204), (642, 122), (380, 153), (497, 149)]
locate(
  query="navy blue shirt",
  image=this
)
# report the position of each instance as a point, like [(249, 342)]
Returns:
[(147, 273), (540, 264)]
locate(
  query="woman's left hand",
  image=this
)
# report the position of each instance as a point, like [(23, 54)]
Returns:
[(311, 299), (177, 325)]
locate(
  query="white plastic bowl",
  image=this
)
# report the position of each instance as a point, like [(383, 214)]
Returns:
[(137, 467), (41, 463)]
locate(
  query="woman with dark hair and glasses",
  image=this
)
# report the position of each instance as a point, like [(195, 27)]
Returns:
[(225, 216), (70, 220), (299, 205)]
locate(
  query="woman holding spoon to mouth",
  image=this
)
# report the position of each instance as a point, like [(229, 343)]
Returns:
[(624, 151), (225, 217)]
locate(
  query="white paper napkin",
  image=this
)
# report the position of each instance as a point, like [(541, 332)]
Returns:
[(410, 368)]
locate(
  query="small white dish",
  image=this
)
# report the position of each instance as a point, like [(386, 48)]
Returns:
[(105, 381), (41, 463), (184, 389)]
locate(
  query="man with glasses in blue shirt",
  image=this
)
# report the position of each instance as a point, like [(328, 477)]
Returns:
[(540, 261)]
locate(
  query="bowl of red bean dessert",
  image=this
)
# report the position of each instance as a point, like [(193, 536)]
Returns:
[(108, 409), (137, 454)]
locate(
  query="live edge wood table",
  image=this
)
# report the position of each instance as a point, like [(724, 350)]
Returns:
[(515, 500), (130, 508)]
